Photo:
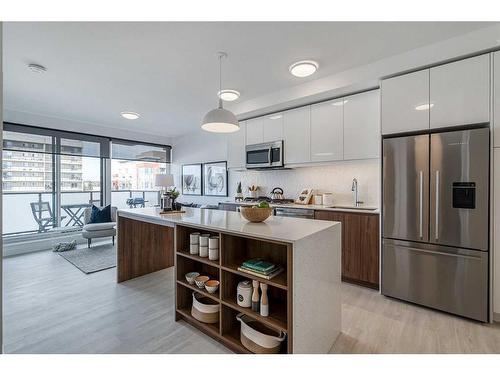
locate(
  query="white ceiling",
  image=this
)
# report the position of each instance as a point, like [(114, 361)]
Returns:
[(168, 71)]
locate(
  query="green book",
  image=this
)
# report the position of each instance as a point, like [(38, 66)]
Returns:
[(259, 265)]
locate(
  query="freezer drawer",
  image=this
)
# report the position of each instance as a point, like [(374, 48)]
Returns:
[(444, 278)]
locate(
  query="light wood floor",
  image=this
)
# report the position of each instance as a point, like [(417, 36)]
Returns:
[(52, 307)]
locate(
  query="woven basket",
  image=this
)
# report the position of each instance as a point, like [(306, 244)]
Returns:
[(256, 215)]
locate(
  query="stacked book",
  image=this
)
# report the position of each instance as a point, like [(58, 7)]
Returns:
[(260, 268)]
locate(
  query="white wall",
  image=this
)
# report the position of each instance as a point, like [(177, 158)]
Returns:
[(197, 147), (201, 147)]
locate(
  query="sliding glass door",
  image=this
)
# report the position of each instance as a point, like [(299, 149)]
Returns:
[(49, 178), (133, 169)]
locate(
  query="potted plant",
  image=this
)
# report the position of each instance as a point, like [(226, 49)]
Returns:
[(174, 194), (239, 192)]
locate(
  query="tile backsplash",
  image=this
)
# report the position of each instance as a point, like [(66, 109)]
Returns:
[(335, 178)]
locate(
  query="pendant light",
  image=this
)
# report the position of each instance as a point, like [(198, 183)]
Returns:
[(220, 120)]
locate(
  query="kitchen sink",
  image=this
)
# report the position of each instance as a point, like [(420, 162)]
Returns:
[(355, 208)]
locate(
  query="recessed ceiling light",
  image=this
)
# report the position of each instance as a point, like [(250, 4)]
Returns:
[(303, 68), (340, 103), (37, 68), (130, 115), (424, 107), (275, 117), (228, 95)]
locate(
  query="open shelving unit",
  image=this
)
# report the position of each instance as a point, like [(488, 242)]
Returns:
[(233, 250)]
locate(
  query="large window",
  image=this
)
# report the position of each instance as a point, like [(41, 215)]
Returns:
[(133, 169), (49, 177)]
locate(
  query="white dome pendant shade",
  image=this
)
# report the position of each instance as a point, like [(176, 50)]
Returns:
[(220, 120)]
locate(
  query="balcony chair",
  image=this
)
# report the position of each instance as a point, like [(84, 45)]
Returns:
[(42, 213), (98, 230)]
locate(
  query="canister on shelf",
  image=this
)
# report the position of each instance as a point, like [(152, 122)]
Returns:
[(244, 293)]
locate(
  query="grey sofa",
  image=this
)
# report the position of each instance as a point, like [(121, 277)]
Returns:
[(98, 230)]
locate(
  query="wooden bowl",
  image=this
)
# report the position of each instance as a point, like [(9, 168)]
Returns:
[(256, 215)]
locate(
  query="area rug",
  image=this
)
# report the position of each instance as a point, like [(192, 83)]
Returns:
[(97, 258)]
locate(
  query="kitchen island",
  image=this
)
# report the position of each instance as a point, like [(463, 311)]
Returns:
[(304, 300)]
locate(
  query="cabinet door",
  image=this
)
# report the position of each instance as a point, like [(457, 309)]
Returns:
[(360, 246), (273, 127), (236, 147), (460, 92), (327, 131), (255, 131), (496, 97), (404, 103), (297, 131), (362, 126), (370, 249)]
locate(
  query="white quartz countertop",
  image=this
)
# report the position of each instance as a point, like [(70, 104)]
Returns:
[(372, 210), (286, 229)]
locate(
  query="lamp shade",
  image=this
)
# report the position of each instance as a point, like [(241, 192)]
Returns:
[(164, 180), (220, 120)]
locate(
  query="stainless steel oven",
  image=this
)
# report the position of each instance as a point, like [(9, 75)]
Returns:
[(265, 155)]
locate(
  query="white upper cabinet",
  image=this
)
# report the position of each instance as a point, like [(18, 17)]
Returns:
[(236, 148), (496, 103), (297, 132), (404, 103), (255, 131), (362, 126), (273, 127), (327, 138), (460, 92)]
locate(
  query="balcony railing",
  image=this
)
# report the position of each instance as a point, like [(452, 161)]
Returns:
[(20, 219)]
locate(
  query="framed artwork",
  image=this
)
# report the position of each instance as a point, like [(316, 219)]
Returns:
[(191, 179), (215, 179)]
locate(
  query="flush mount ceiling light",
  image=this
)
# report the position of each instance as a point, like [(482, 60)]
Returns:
[(220, 120), (340, 103), (303, 68), (36, 68), (424, 107), (228, 95), (130, 115), (275, 117)]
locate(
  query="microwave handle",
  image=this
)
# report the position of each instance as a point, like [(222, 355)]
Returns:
[(269, 154)]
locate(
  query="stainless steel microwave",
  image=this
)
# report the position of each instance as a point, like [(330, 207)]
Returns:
[(265, 155)]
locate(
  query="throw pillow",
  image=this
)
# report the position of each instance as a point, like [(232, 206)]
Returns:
[(100, 215)]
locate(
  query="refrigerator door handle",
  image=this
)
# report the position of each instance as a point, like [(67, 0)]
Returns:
[(437, 205), (421, 203)]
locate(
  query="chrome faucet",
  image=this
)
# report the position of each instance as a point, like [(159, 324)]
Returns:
[(354, 190)]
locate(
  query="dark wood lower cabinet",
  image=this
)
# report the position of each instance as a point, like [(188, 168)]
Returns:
[(360, 246), (143, 248)]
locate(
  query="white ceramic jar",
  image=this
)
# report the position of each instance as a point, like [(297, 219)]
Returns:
[(244, 293), (213, 254), (203, 251), (204, 239), (213, 242), (327, 199)]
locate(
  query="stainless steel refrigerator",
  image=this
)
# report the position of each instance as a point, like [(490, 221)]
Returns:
[(436, 219)]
